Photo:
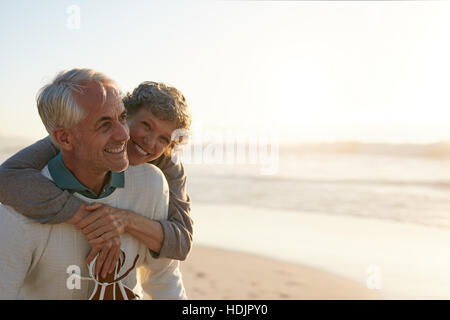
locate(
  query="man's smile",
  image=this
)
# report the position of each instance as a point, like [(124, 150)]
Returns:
[(115, 150)]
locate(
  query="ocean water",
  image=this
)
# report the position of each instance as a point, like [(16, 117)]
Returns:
[(411, 189)]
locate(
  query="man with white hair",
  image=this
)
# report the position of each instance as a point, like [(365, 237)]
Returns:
[(84, 115)]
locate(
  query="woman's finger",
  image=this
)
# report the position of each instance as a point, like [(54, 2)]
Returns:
[(93, 206), (92, 217), (98, 232), (105, 237), (97, 228)]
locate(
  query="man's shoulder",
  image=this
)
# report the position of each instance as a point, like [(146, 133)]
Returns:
[(145, 174), (146, 187), (10, 218), (144, 168)]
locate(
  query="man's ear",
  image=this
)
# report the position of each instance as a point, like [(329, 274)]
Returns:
[(64, 138)]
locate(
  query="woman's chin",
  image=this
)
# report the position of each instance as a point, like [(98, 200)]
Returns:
[(137, 159)]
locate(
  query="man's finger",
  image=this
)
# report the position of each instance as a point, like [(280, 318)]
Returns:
[(115, 261), (101, 258), (92, 254), (109, 261)]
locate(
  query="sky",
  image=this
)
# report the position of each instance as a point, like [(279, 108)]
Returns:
[(307, 70)]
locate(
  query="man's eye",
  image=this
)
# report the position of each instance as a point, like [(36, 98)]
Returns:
[(123, 117)]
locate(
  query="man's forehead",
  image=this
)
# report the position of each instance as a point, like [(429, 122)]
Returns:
[(95, 96), (91, 95)]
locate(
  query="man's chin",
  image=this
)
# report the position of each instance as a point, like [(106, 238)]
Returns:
[(119, 167), (135, 161)]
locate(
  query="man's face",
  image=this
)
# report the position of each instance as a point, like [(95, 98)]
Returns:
[(150, 136), (100, 138)]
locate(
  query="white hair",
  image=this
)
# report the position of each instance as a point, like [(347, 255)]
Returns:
[(56, 104)]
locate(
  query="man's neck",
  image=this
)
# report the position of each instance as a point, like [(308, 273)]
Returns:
[(89, 177)]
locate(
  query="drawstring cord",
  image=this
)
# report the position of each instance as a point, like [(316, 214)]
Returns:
[(103, 285)]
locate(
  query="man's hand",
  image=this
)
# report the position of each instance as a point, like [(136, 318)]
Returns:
[(108, 255), (108, 246), (102, 228)]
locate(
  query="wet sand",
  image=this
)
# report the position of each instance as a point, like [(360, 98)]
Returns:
[(211, 273)]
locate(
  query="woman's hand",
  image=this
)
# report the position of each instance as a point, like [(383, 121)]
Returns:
[(102, 226), (104, 223)]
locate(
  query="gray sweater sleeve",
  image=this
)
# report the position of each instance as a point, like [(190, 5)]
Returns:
[(24, 188), (178, 228)]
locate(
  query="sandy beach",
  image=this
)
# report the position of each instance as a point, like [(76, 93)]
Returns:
[(211, 273), (412, 260)]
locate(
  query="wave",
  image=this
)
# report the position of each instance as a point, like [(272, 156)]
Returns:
[(445, 184)]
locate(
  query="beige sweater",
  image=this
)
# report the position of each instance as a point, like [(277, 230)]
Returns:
[(35, 258)]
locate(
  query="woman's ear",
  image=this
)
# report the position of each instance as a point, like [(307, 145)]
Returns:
[(64, 138)]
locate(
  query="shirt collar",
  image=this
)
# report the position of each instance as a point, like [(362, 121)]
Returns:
[(65, 180)]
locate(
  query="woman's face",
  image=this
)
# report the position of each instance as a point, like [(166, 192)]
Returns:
[(149, 137)]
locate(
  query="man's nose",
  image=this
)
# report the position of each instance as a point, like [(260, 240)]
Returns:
[(122, 132)]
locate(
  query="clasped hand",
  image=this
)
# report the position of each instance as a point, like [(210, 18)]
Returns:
[(102, 226)]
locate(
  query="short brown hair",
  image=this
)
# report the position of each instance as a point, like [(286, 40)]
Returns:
[(164, 101)]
